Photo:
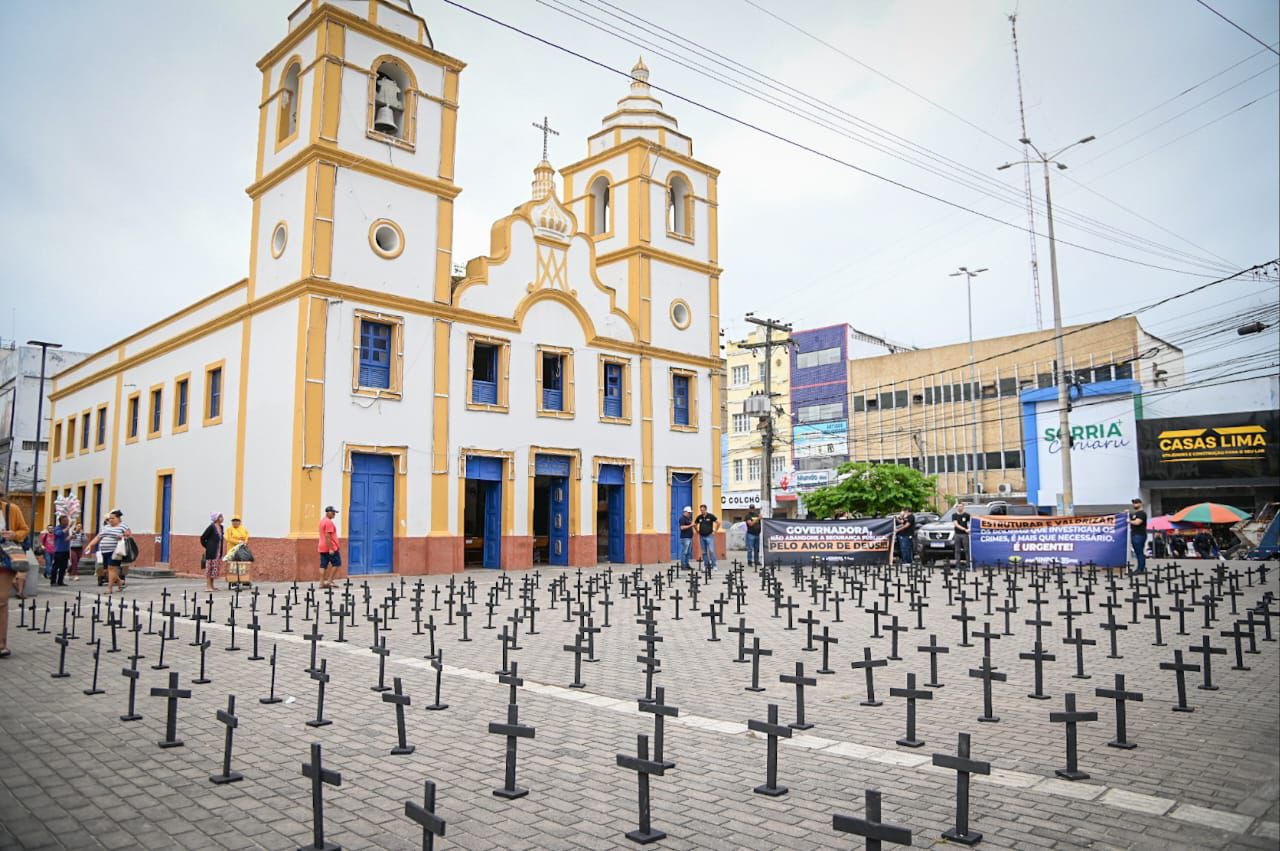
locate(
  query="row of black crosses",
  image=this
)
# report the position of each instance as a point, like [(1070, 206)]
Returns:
[(821, 581)]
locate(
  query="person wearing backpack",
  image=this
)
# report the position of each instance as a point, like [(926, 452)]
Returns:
[(105, 542)]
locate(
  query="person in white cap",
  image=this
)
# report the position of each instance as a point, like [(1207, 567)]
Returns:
[(686, 536), (329, 547)]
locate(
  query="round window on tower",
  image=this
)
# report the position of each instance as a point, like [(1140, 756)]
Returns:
[(681, 316), (279, 239), (386, 238)]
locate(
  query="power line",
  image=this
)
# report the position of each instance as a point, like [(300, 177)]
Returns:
[(808, 148), (964, 175), (1234, 24)]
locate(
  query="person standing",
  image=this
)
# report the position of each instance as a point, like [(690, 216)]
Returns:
[(211, 539), (237, 535), (77, 549), (13, 562), (46, 551), (105, 542), (707, 525), (330, 548), (960, 522), (61, 550), (1138, 535), (686, 536), (905, 529), (753, 536)]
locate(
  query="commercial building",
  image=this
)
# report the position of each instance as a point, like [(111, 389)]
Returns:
[(745, 432), (992, 431), (821, 366), (1215, 442), (20, 392), (556, 404)]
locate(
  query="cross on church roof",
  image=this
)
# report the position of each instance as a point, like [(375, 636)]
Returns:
[(545, 127)]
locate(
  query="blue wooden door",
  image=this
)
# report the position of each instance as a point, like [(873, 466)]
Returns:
[(617, 508), (558, 536), (166, 515), (371, 514), (492, 523), (681, 495)]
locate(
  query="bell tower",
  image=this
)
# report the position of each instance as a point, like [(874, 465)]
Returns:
[(356, 129)]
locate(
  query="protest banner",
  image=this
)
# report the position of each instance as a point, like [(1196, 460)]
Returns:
[(829, 541), (1100, 539)]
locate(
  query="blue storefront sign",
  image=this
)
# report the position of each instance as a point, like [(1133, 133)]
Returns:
[(1098, 539)]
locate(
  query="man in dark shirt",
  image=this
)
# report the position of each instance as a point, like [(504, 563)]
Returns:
[(707, 525), (686, 536), (905, 529), (960, 538), (753, 536), (1138, 535)]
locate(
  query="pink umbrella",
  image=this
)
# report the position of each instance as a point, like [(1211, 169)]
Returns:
[(1164, 523)]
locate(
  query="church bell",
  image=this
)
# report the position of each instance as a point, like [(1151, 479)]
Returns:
[(385, 121)]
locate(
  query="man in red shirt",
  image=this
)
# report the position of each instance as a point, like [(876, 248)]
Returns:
[(330, 557)]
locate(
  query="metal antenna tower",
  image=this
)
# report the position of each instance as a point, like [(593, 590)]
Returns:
[(1026, 177)]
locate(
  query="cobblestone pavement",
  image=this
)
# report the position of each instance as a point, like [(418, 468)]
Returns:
[(72, 775)]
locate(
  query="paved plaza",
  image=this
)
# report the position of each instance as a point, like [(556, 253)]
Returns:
[(72, 775)]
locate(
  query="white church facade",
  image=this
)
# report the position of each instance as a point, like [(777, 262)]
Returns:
[(557, 404)]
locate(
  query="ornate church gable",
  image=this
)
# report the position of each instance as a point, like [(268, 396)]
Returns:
[(538, 253)]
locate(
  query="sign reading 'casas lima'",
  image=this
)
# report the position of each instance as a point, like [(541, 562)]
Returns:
[(1238, 447)]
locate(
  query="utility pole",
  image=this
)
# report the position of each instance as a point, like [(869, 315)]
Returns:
[(767, 345), (969, 275), (1064, 385), (37, 522)]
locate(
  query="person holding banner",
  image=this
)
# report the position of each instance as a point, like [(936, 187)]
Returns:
[(1138, 535), (961, 536)]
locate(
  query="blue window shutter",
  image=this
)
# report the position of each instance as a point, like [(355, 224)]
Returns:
[(215, 393), (375, 355), (680, 393), (613, 390), (484, 392)]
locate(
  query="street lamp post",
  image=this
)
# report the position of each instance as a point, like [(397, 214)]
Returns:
[(969, 275), (37, 522), (1064, 399)]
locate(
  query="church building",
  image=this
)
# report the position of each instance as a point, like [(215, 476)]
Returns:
[(557, 404)]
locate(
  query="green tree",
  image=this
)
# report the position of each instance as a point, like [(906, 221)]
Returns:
[(873, 490)]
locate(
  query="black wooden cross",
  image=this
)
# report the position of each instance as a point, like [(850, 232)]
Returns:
[(964, 617), (800, 681), (1180, 670), (1113, 628), (380, 648), (401, 700), (893, 629), (1039, 657), (869, 665), (514, 731), (271, 695), (1207, 653), (1120, 696), (425, 815), (963, 766), (97, 654), (987, 636), (643, 767), (172, 694), (827, 640), (875, 831), (710, 613), (513, 680), (438, 664), (577, 648), (1080, 642), (227, 717), (912, 694), (314, 637), (321, 676), (132, 673), (743, 631), (255, 628), (1071, 717), (773, 730), (319, 775), (987, 673), (933, 649), (1237, 633), (756, 653), (660, 710)]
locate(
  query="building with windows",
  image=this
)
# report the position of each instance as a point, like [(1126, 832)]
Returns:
[(20, 392), (557, 403), (820, 398), (984, 436), (744, 452)]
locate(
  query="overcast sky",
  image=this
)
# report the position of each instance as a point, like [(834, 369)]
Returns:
[(130, 130)]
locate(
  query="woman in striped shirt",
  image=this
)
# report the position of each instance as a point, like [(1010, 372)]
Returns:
[(105, 543)]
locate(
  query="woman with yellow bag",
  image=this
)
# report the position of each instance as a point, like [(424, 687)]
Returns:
[(238, 558)]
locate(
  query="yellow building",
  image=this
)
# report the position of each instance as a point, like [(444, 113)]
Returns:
[(744, 432), (925, 409)]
